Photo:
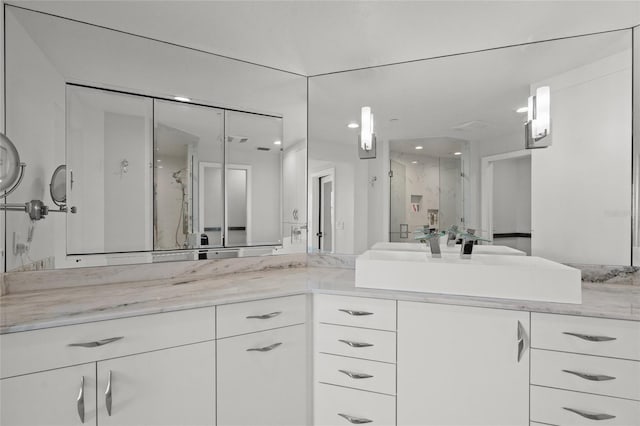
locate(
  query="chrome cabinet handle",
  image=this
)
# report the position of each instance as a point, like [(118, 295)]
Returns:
[(590, 338), (355, 344), (521, 340), (107, 395), (356, 375), (80, 400), (590, 416), (71, 180), (355, 420), (591, 377), (265, 316), (265, 349), (96, 343), (355, 313)]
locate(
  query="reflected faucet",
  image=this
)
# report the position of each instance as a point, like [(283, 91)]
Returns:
[(452, 235)]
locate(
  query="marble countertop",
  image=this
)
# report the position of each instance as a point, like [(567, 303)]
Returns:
[(56, 307)]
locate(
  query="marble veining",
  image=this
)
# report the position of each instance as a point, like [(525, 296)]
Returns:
[(332, 260), (55, 307), (610, 274)]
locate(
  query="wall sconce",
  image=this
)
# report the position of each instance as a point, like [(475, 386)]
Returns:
[(367, 138), (538, 125)]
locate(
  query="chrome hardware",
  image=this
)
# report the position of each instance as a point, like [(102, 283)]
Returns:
[(107, 395), (591, 377), (80, 401), (96, 343), (590, 338), (355, 313), (355, 420), (521, 340), (265, 349), (356, 375), (71, 180), (265, 316), (590, 416), (355, 344)]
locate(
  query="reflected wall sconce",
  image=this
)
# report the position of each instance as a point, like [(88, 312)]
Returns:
[(367, 138), (538, 125)]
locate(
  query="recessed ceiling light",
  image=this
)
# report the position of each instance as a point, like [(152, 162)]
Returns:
[(159, 161), (181, 99), (457, 153), (419, 147), (353, 125), (414, 162), (277, 142), (522, 109)]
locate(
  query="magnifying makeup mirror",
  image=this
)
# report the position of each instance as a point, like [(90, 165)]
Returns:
[(11, 169), (58, 186)]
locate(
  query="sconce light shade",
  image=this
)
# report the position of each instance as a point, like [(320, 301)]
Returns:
[(538, 125), (367, 139)]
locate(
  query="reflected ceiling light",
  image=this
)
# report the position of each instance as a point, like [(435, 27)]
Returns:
[(522, 109), (457, 153), (277, 142), (181, 99), (538, 125), (353, 125), (419, 147), (367, 139), (414, 162)]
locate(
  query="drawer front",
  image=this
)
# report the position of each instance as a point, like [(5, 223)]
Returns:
[(46, 349), (593, 336), (561, 407), (356, 311), (363, 343), (259, 315), (356, 373), (586, 373), (336, 406)]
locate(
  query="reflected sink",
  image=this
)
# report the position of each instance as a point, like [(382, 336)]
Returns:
[(498, 276), (444, 248)]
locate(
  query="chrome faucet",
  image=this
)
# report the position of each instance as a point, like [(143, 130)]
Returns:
[(469, 238), (433, 238)]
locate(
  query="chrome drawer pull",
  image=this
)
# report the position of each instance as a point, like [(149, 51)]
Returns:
[(96, 343), (590, 338), (521, 343), (107, 395), (591, 377), (265, 349), (590, 416), (355, 420), (356, 375), (80, 401), (355, 313), (355, 344), (265, 316)]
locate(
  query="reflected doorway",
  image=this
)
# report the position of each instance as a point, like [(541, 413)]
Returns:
[(323, 211)]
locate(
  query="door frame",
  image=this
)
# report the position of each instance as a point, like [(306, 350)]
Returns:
[(486, 188)]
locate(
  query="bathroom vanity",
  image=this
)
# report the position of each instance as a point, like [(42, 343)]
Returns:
[(305, 346)]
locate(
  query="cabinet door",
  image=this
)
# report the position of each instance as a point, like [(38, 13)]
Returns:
[(462, 365), (66, 396), (168, 387), (262, 378)]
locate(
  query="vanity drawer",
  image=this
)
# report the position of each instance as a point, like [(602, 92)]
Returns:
[(593, 336), (356, 373), (586, 373), (45, 349), (355, 342), (553, 406), (356, 311), (334, 405), (248, 317)]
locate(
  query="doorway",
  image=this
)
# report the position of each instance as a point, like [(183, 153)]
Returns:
[(322, 210)]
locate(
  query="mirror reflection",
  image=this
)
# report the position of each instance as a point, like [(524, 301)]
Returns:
[(539, 201)]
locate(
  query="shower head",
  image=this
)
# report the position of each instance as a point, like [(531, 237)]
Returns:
[(179, 175), (237, 139)]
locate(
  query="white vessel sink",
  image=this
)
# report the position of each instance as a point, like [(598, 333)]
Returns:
[(499, 276), (444, 248)]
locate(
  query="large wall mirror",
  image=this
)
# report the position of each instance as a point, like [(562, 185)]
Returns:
[(451, 150), (149, 177)]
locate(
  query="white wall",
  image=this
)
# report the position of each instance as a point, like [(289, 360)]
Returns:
[(636, 149), (512, 201), (590, 155)]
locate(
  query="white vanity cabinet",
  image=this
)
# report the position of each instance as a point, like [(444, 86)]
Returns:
[(153, 369), (262, 363), (461, 365), (585, 370)]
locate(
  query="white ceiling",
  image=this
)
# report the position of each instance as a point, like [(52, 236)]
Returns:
[(314, 37)]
